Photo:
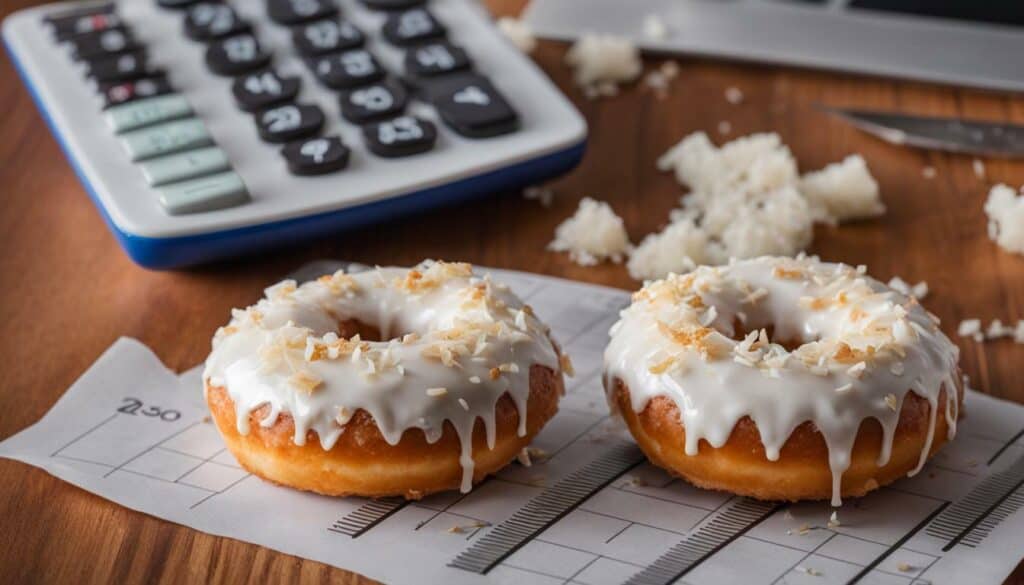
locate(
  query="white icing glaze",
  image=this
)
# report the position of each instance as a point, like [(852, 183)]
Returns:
[(864, 346), (472, 340)]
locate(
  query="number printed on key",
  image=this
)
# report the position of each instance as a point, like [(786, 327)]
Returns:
[(401, 136), (261, 89), (316, 156), (289, 122), (236, 55), (347, 70), (373, 102), (209, 20), (411, 27), (326, 36), (436, 58)]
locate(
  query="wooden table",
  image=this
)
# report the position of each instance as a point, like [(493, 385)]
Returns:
[(68, 291)]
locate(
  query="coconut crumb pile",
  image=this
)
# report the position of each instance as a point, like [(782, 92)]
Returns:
[(1005, 210), (518, 32), (602, 62), (748, 199), (593, 234), (843, 191)]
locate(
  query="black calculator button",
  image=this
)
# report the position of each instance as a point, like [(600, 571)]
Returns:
[(435, 58), (471, 106), (316, 156), (401, 136), (347, 70), (209, 20), (126, 91), (103, 43), (289, 122), (392, 4), (73, 26), (236, 55), (123, 67), (261, 89), (326, 36), (176, 4), (411, 27), (373, 102), (295, 11)]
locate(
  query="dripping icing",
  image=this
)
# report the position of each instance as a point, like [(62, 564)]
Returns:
[(676, 340), (259, 355)]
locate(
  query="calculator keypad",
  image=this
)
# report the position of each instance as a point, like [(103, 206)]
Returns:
[(176, 152)]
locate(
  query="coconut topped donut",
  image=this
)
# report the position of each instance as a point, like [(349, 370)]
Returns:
[(783, 341), (449, 346)]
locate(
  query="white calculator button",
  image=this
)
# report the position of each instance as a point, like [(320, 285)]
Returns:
[(139, 113), (166, 138), (205, 194), (185, 165)]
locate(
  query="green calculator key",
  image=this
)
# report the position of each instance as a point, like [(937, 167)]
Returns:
[(145, 112), (185, 165), (166, 138)]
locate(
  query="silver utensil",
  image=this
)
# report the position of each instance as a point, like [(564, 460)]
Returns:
[(949, 134)]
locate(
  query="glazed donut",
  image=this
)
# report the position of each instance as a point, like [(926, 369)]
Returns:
[(386, 382), (783, 379)]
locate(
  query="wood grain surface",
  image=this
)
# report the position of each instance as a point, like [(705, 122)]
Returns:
[(68, 291)]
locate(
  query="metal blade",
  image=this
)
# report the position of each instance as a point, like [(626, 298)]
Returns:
[(950, 134)]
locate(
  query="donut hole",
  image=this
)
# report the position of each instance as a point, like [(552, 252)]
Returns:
[(740, 330), (347, 328)]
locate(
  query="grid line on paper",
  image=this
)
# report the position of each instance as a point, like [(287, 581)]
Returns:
[(151, 447), (1005, 446), (83, 435), (974, 509), (898, 544), (688, 553), (547, 508), (365, 517)]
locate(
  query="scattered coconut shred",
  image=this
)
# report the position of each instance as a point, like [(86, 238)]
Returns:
[(602, 62), (518, 32), (593, 234), (747, 199), (1005, 210)]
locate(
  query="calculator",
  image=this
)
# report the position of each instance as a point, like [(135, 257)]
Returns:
[(209, 129)]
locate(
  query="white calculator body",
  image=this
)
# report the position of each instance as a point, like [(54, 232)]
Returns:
[(209, 129)]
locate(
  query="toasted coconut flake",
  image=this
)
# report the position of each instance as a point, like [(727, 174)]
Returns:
[(304, 381), (566, 363), (891, 402)]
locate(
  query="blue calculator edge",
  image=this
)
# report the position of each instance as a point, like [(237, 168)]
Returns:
[(182, 251)]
